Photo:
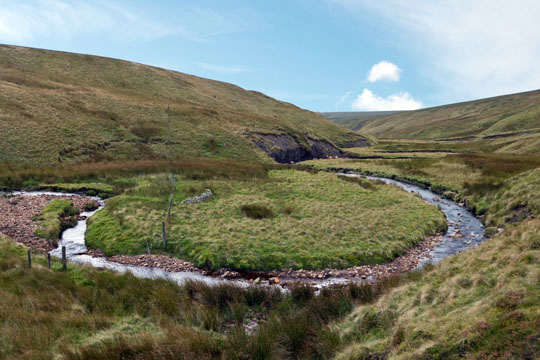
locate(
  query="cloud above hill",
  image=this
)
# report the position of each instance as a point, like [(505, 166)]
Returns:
[(368, 101), (384, 71), (468, 48)]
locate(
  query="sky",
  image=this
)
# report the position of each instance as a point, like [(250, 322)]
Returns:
[(322, 55)]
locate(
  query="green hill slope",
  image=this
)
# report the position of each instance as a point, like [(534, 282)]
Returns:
[(505, 115), (355, 120), (64, 107)]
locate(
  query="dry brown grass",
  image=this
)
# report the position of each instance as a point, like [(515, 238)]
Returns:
[(71, 108), (479, 304), (17, 176)]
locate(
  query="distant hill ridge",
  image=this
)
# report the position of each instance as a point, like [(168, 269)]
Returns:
[(355, 120), (484, 118), (58, 107)]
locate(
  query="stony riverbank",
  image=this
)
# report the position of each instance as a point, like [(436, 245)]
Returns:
[(18, 215), (401, 264)]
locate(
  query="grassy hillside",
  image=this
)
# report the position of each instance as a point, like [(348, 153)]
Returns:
[(481, 304), (505, 115), (355, 119), (62, 107)]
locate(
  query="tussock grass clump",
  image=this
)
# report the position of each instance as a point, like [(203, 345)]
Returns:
[(91, 206), (56, 216), (87, 313), (365, 183), (15, 176), (482, 303), (257, 212), (301, 293)]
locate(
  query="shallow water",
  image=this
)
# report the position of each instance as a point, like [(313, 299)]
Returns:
[(74, 241), (460, 218)]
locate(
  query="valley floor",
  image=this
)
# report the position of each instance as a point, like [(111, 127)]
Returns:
[(481, 304)]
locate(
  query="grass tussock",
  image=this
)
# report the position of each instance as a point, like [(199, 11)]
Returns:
[(87, 313), (56, 216), (478, 304), (112, 174), (257, 212)]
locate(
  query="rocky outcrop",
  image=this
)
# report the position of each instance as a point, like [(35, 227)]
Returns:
[(285, 148), (201, 198)]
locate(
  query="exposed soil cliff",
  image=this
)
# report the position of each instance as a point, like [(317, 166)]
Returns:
[(285, 148)]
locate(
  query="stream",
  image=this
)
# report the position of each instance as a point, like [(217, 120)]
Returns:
[(464, 231)]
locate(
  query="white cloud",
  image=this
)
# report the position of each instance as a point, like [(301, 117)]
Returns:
[(473, 48), (25, 22), (344, 98), (385, 71), (224, 69), (367, 101)]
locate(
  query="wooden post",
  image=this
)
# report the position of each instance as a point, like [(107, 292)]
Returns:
[(64, 258), (173, 180), (169, 134), (164, 235), (29, 259), (169, 209), (49, 260), (147, 246), (148, 250)]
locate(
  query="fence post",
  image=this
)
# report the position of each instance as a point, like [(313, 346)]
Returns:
[(149, 254), (164, 235), (64, 259), (173, 180), (169, 207), (147, 246), (49, 260), (29, 259)]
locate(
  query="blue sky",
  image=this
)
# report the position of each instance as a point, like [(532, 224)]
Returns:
[(323, 55)]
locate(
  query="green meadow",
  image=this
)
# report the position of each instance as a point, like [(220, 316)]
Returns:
[(310, 221)]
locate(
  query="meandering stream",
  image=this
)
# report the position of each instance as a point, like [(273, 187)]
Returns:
[(464, 231)]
